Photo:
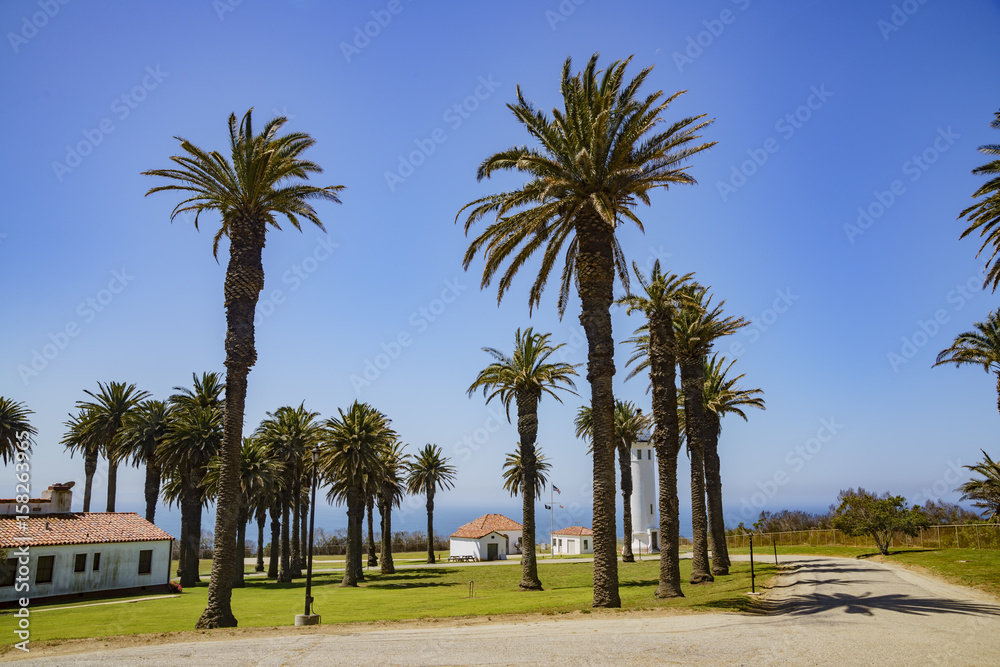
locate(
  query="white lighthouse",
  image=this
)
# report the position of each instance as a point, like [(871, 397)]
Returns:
[(645, 522)]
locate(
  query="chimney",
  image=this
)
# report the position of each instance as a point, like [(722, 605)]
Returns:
[(61, 497)]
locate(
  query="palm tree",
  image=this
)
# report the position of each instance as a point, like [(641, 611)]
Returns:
[(986, 491), (352, 462), (656, 351), (391, 489), (513, 474), (980, 347), (101, 423), (77, 439), (291, 433), (264, 179), (258, 470), (143, 429), (629, 425), (985, 214), (523, 378), (14, 428), (697, 325), (722, 396), (428, 472), (599, 156)]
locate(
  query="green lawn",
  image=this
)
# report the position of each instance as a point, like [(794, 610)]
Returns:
[(413, 593)]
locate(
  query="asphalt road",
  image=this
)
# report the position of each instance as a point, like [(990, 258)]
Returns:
[(823, 611)]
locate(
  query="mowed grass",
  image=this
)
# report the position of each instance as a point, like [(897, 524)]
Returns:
[(426, 592)]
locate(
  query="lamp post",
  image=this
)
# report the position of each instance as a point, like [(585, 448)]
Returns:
[(308, 618)]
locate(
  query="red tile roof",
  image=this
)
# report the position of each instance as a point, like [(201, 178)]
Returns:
[(574, 530), (485, 525), (78, 528)]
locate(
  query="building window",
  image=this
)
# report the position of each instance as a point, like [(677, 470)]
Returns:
[(43, 570), (585, 544), (649, 454), (80, 563), (7, 572), (145, 561), (97, 562), (650, 508)]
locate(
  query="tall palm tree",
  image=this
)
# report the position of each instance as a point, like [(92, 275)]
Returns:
[(656, 351), (523, 378), (102, 422), (985, 214), (352, 463), (599, 156), (985, 492), (697, 325), (77, 439), (291, 433), (392, 488), (14, 428), (258, 470), (264, 178), (723, 396), (143, 429), (428, 472), (513, 474), (979, 347), (630, 423)]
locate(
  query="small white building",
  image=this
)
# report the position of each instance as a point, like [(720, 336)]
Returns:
[(490, 537), (573, 540), (645, 519), (77, 554)]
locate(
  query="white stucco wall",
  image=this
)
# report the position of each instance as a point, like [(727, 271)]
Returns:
[(461, 546), (513, 538), (572, 544), (119, 568)]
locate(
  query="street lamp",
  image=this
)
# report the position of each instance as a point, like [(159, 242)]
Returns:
[(308, 618)]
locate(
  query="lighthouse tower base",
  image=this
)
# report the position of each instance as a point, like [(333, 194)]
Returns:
[(647, 542)]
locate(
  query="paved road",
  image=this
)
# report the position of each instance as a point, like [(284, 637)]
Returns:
[(823, 611)]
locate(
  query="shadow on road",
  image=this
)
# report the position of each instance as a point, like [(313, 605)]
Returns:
[(863, 604)]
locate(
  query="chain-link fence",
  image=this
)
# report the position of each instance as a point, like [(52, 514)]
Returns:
[(960, 536)]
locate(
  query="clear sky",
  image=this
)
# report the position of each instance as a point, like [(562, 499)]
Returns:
[(826, 214)]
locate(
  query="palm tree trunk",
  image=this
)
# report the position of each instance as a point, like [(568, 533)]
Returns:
[(666, 439), (190, 527), (89, 470), (527, 429), (595, 280), (297, 527), (385, 511), (112, 484), (372, 557), (275, 555), (355, 510), (152, 489), (261, 520), (430, 525), (625, 466), (693, 385), (285, 575), (713, 489), (241, 549)]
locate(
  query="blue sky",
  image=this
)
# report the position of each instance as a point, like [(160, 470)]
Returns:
[(826, 214)]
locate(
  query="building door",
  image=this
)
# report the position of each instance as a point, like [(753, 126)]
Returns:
[(654, 546), (492, 549)]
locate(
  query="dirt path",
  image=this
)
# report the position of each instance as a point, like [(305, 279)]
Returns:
[(821, 611)]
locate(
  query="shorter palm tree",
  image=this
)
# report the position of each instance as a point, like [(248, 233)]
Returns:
[(392, 488), (143, 429), (14, 429), (513, 473), (428, 472), (985, 492), (979, 347)]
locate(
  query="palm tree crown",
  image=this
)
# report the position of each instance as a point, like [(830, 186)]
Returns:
[(979, 347), (985, 214), (13, 427), (513, 473), (985, 492), (429, 471)]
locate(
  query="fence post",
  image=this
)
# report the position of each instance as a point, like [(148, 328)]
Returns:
[(978, 543), (958, 544)]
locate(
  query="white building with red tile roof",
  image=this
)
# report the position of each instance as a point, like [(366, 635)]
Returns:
[(573, 540), (77, 554), (490, 537)]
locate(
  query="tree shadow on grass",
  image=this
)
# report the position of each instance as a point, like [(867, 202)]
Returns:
[(391, 585)]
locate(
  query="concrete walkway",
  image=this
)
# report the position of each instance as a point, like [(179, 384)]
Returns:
[(822, 611)]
